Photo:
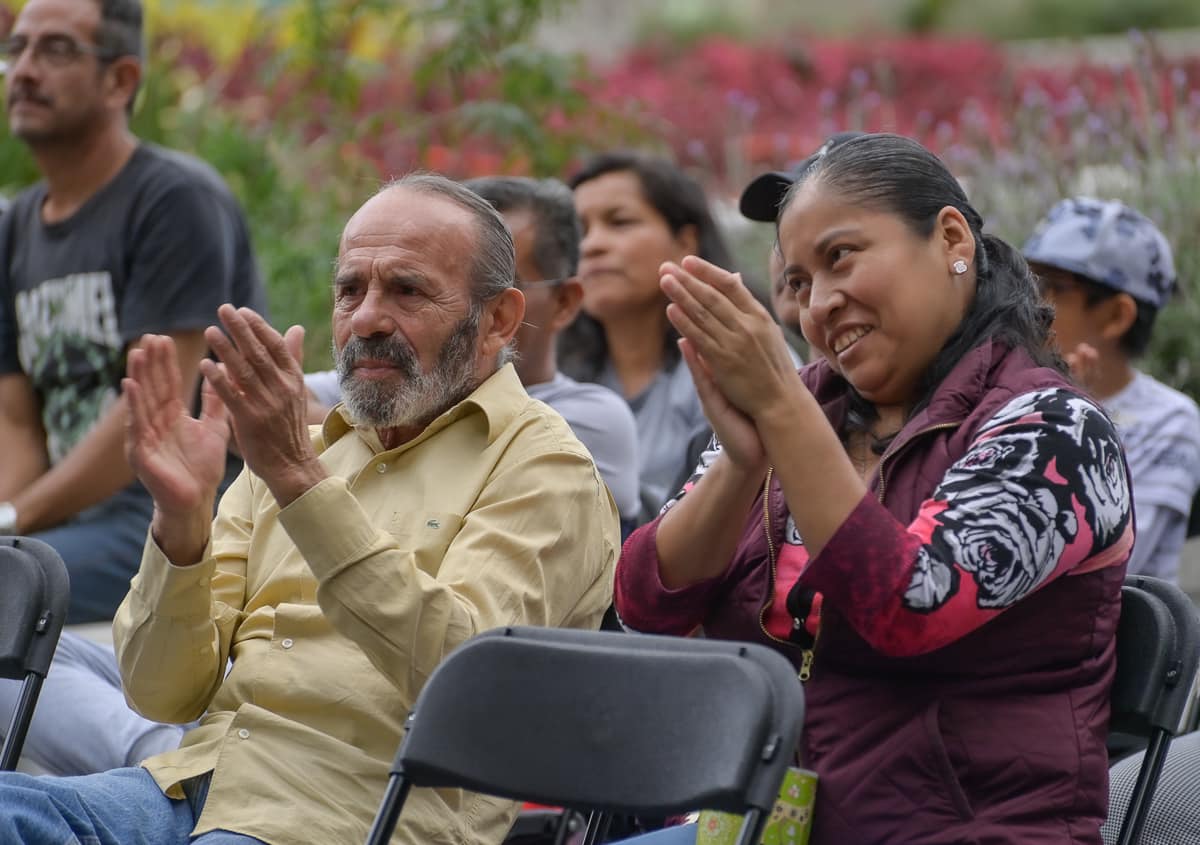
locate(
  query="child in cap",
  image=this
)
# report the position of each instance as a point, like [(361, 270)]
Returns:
[(1108, 270)]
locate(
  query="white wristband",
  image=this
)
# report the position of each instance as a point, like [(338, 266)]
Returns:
[(8, 518)]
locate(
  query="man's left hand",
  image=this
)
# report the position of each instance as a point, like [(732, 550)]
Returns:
[(260, 380)]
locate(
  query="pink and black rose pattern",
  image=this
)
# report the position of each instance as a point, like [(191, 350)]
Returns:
[(706, 460), (1045, 476)]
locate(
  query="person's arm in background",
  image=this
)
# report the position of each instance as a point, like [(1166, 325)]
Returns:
[(21, 432), (1161, 531), (96, 468), (323, 393), (22, 435)]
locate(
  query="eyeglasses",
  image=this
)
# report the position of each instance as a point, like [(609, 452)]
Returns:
[(541, 283), (53, 50)]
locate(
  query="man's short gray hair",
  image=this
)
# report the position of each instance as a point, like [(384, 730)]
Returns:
[(494, 269)]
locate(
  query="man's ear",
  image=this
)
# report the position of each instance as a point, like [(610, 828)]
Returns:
[(124, 74), (568, 298), (1117, 314), (502, 316)]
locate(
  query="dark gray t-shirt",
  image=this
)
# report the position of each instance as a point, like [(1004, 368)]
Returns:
[(157, 249)]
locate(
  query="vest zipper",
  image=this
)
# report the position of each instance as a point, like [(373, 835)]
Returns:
[(806, 654)]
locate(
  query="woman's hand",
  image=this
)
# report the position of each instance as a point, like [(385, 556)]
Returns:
[(739, 438), (742, 349)]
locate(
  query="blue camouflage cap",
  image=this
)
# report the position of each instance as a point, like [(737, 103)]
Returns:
[(1108, 243)]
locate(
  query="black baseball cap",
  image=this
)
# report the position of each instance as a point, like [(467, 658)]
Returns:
[(761, 198)]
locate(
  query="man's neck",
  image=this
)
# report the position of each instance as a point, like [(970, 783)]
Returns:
[(537, 369), (75, 172), (393, 438)]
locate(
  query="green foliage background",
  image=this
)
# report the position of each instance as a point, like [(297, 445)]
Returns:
[(299, 186)]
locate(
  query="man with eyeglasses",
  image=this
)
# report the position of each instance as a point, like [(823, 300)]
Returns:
[(119, 239)]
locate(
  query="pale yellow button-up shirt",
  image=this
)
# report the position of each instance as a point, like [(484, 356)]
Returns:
[(335, 610)]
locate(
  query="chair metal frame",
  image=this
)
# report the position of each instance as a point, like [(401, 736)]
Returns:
[(603, 721), (1158, 652), (36, 591)]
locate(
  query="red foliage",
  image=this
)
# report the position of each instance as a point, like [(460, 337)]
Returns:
[(721, 100), (775, 103)]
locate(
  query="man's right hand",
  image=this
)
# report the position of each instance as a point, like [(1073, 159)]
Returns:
[(180, 459)]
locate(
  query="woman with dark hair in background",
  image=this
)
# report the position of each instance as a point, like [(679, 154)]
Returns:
[(638, 211), (932, 521)]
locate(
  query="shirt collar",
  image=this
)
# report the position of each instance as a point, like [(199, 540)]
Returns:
[(499, 398)]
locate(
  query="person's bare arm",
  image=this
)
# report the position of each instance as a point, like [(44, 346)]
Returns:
[(96, 468), (22, 434)]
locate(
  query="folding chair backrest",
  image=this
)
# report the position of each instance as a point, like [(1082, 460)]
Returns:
[(1158, 650), (786, 690), (1147, 649), (34, 592), (606, 721)]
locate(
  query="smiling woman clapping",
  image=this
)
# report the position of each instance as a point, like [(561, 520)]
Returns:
[(931, 520)]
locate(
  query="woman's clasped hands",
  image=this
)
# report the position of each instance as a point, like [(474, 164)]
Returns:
[(736, 353)]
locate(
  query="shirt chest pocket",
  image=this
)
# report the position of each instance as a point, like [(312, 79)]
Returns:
[(426, 534)]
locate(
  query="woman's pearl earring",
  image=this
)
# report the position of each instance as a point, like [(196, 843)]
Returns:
[(960, 267)]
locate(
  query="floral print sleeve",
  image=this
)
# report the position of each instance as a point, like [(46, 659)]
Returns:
[(1042, 493), (643, 603)]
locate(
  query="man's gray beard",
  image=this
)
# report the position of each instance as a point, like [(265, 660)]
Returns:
[(420, 396)]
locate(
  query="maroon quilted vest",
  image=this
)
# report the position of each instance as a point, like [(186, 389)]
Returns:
[(998, 737)]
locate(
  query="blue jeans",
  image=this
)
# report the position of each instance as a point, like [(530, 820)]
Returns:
[(684, 834), (121, 807), (82, 724)]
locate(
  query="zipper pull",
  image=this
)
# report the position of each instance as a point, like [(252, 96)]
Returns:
[(806, 661)]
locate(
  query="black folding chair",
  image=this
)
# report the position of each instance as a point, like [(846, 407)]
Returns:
[(1158, 649), (603, 721), (34, 591)]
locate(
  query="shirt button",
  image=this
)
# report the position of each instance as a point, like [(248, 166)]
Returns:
[(288, 642), (381, 468), (244, 734)]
